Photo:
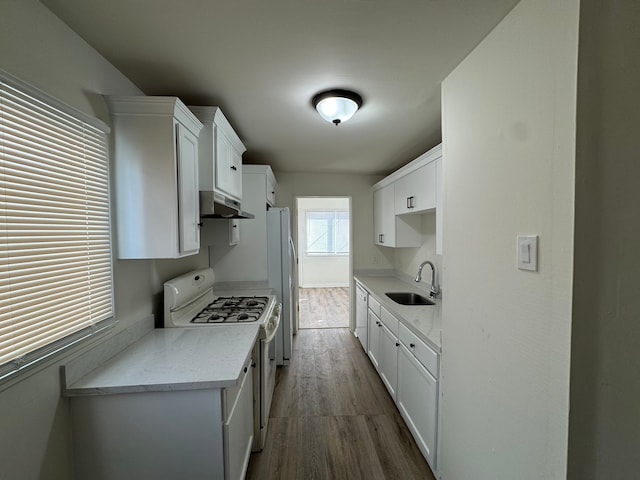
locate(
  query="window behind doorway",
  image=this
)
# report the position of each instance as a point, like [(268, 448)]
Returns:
[(327, 232)]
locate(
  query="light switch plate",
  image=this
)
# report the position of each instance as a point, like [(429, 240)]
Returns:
[(527, 252)]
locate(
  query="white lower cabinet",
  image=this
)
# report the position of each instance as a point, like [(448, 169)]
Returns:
[(361, 315), (409, 369), (238, 427), (388, 362), (373, 349), (417, 401), (388, 358), (164, 435)]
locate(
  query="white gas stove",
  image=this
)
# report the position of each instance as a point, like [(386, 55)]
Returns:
[(190, 301)]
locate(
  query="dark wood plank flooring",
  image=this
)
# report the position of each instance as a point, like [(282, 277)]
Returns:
[(323, 307), (332, 418)]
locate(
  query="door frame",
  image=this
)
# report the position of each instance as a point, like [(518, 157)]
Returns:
[(297, 231)]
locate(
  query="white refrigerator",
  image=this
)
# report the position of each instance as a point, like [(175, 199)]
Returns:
[(282, 273)]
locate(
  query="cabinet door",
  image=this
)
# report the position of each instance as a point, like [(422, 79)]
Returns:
[(224, 160), (234, 231), (188, 206), (388, 359), (418, 402), (374, 338), (235, 186), (271, 192), (238, 431), (391, 230), (416, 192), (361, 316), (384, 216)]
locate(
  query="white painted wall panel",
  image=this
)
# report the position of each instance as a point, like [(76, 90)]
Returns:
[(604, 432), (509, 136)]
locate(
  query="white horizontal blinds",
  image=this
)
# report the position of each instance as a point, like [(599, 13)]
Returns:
[(55, 257)]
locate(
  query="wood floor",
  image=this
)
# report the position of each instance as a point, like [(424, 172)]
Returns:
[(323, 307), (333, 419)]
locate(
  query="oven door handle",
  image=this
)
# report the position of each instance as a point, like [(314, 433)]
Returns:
[(276, 315)]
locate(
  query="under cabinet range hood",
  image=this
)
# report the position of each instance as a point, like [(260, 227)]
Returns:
[(216, 205)]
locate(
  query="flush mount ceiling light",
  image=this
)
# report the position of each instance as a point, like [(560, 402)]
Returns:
[(337, 106)]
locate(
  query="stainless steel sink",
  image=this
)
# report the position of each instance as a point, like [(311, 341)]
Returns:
[(409, 298)]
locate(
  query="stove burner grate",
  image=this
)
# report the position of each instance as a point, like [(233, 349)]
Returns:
[(232, 310)]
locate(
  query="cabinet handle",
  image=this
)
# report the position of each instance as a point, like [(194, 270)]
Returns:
[(245, 369), (397, 344), (412, 345), (382, 238), (408, 202), (200, 224), (253, 364), (233, 167), (235, 225)]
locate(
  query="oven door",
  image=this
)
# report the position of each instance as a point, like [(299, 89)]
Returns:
[(267, 377)]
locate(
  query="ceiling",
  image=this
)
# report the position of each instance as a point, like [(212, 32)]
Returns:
[(262, 61)]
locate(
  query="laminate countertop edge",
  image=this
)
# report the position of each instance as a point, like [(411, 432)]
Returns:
[(424, 321)]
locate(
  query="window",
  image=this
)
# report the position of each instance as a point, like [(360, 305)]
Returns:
[(55, 245), (328, 233)]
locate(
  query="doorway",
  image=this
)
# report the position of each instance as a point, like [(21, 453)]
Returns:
[(324, 261)]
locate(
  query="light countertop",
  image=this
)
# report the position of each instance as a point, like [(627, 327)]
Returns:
[(168, 359), (424, 321)]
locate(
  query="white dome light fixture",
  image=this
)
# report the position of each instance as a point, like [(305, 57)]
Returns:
[(337, 106)]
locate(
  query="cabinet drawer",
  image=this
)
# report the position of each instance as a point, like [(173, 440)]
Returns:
[(374, 306), (424, 353), (389, 320)]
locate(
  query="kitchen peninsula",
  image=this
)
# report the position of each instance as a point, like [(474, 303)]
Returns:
[(179, 402)]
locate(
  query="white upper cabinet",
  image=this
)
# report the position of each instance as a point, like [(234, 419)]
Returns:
[(220, 166), (391, 230), (155, 177), (188, 207), (413, 189), (416, 191), (383, 216), (271, 189), (262, 185)]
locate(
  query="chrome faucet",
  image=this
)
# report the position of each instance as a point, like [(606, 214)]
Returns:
[(434, 290)]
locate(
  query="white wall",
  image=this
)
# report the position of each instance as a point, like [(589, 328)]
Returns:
[(320, 270), (246, 261), (509, 139), (407, 260), (604, 423), (38, 48)]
